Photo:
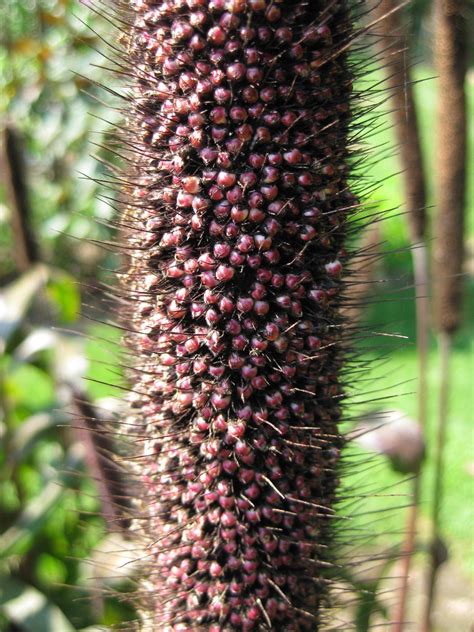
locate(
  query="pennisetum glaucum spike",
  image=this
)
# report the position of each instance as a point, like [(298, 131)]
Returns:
[(450, 57), (239, 209)]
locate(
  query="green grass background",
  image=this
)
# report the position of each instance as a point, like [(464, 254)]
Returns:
[(398, 376)]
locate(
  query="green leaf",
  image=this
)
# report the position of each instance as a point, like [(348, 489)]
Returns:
[(27, 433), (29, 386), (17, 538), (368, 592), (39, 340), (67, 353), (10, 502), (29, 609), (63, 292), (50, 570), (16, 299), (70, 363)]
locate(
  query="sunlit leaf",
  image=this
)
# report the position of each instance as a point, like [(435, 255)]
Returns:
[(16, 299), (17, 538), (70, 362), (30, 609), (50, 570), (63, 291), (38, 340), (27, 433), (114, 560), (9, 495), (28, 385)]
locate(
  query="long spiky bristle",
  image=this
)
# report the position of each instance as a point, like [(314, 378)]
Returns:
[(241, 124)]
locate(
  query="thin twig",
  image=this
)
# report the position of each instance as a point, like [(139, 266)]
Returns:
[(445, 343), (420, 266)]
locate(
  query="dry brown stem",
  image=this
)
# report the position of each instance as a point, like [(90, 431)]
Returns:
[(450, 42), (450, 182), (13, 169), (393, 51), (394, 56)]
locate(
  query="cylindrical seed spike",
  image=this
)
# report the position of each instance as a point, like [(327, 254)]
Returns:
[(239, 115)]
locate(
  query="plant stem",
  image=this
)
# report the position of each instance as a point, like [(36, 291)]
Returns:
[(449, 52), (420, 266), (25, 250), (445, 343), (395, 57), (397, 68)]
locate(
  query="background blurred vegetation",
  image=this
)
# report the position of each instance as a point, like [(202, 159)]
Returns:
[(56, 549)]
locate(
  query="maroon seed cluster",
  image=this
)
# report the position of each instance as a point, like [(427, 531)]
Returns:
[(238, 209)]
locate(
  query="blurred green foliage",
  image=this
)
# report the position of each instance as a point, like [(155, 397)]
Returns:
[(50, 522), (51, 529), (48, 76)]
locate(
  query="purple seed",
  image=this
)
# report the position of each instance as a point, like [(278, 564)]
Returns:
[(235, 72), (226, 179), (216, 35)]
